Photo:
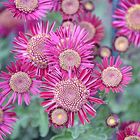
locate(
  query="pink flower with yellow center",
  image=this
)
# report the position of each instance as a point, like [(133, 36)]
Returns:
[(93, 25), (73, 93), (70, 49), (112, 76), (7, 119), (29, 9), (131, 132), (32, 47), (19, 82), (127, 21)]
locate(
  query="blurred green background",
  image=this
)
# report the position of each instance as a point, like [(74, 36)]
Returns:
[(33, 122)]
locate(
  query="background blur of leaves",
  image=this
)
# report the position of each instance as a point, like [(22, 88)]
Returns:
[(33, 122)]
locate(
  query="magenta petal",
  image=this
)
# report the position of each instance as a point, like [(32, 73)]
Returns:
[(96, 100), (81, 117), (90, 110)]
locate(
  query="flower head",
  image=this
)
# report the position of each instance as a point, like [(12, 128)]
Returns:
[(127, 21), (112, 76), (88, 5), (58, 117), (29, 9), (113, 121), (121, 44), (32, 48), (74, 94), (69, 8), (130, 133), (105, 51), (7, 119), (19, 82), (93, 25), (70, 49)]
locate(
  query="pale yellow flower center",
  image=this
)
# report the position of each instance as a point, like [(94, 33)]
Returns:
[(69, 59), (132, 17), (111, 77), (20, 82), (26, 6)]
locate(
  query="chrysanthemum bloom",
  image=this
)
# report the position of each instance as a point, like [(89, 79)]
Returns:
[(75, 94), (113, 121), (32, 48), (121, 44), (93, 25), (112, 76), (69, 8), (7, 119), (70, 49), (129, 133), (58, 117), (105, 52), (29, 9), (19, 82), (127, 21)]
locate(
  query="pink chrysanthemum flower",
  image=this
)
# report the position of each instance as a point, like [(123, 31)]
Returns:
[(70, 49), (112, 76), (127, 21), (129, 133), (32, 47), (93, 25), (19, 82), (74, 94), (7, 119), (29, 9), (69, 8)]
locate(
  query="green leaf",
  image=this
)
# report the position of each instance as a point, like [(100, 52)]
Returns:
[(65, 136), (43, 123)]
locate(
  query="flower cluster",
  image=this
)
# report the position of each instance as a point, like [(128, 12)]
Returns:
[(59, 64)]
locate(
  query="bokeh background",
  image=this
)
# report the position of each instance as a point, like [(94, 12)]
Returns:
[(33, 122)]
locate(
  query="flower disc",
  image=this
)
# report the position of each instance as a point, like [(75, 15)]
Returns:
[(89, 6), (36, 50), (20, 82), (132, 138), (26, 6), (69, 58), (121, 44), (132, 17), (71, 94), (111, 76), (70, 7), (59, 116)]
